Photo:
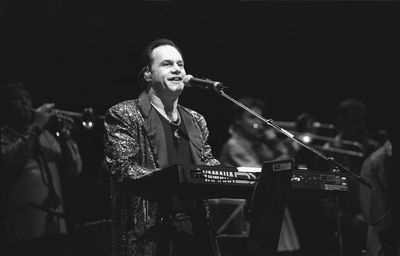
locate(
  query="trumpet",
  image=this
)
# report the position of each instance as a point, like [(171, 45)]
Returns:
[(305, 129), (87, 117), (295, 125), (305, 123), (310, 138)]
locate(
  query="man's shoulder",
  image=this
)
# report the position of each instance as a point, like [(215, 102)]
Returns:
[(381, 153), (192, 112), (126, 109), (124, 105), (238, 141)]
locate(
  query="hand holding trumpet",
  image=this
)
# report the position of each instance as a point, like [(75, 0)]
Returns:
[(62, 122), (46, 116), (42, 114)]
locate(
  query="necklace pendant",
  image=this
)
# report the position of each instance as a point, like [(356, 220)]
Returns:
[(176, 134)]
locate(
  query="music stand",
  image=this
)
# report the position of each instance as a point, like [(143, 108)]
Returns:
[(268, 204)]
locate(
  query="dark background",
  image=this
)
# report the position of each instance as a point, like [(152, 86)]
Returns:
[(297, 56)]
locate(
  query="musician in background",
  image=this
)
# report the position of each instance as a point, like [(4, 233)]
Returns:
[(33, 162), (144, 136), (352, 126), (378, 203), (250, 144)]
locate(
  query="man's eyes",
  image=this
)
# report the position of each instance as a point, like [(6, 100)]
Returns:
[(166, 64)]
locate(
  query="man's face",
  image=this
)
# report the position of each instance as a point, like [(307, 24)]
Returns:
[(167, 71), (250, 125), (21, 107)]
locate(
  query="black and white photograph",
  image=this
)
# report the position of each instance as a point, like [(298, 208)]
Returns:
[(201, 128)]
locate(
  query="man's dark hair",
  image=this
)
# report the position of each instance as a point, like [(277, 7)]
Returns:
[(8, 93), (10, 90), (146, 56), (348, 106)]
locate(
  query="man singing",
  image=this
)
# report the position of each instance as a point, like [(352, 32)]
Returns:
[(143, 136)]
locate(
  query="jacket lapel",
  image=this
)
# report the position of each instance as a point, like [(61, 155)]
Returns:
[(194, 134), (154, 130)]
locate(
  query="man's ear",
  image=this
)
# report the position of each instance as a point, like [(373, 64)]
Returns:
[(146, 74)]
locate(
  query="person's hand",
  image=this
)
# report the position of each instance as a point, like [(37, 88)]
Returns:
[(43, 113)]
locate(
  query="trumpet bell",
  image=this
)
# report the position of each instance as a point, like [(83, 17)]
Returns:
[(87, 118)]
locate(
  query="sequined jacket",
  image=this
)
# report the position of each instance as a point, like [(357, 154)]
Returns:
[(135, 147)]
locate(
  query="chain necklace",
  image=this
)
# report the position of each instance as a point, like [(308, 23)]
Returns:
[(176, 126)]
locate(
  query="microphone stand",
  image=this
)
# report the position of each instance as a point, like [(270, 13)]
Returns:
[(270, 122)]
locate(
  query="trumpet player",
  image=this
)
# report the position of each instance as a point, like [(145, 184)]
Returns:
[(33, 162), (352, 126)]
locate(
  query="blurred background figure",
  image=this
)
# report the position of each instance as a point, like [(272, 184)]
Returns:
[(380, 205), (351, 146), (352, 126), (250, 144), (377, 203), (33, 161)]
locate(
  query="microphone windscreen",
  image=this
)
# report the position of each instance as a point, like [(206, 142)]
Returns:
[(186, 80)]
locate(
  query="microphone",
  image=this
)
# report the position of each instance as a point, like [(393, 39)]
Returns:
[(191, 81)]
